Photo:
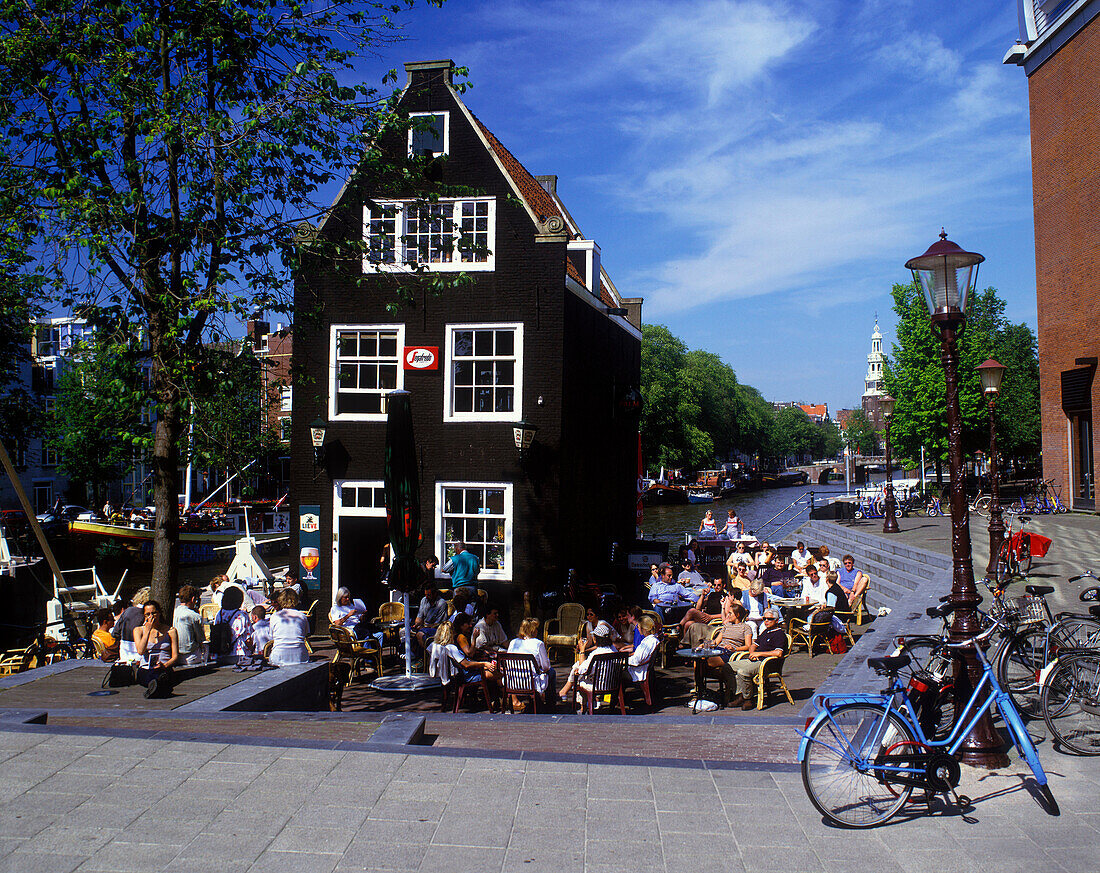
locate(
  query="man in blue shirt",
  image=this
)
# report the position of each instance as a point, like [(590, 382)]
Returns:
[(463, 568), (667, 596)]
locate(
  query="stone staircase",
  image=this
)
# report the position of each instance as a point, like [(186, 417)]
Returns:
[(904, 579)]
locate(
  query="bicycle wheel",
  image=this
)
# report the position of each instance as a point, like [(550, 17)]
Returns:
[(1023, 554), (1018, 669), (839, 771), (922, 653), (981, 506), (1074, 632), (1071, 703)]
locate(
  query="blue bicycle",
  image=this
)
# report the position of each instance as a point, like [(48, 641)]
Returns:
[(863, 754)]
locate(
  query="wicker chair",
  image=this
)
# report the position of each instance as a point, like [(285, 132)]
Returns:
[(770, 669), (389, 612), (208, 612), (564, 630), (520, 675), (605, 674), (349, 649)]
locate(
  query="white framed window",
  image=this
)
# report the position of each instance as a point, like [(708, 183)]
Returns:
[(284, 430), (451, 234), (483, 380), (480, 515), (364, 365), (363, 498), (286, 398), (430, 133), (50, 456)]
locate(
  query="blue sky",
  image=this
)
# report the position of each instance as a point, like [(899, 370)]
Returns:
[(760, 172)]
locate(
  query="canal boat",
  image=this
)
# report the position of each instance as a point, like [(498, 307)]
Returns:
[(659, 494), (694, 495)]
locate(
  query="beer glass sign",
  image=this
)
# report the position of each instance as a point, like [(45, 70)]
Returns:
[(310, 558)]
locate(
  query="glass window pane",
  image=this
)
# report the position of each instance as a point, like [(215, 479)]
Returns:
[(346, 344), (483, 400), (505, 397), (483, 343), (464, 343), (494, 557), (348, 373), (464, 400), (368, 344), (494, 500), (464, 372), (387, 346), (474, 501), (506, 373), (452, 500), (483, 374), (506, 342), (480, 552), (387, 377)]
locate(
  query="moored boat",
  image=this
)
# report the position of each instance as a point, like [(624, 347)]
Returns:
[(694, 496)]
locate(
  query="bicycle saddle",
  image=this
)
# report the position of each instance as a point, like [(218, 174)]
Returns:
[(1039, 590), (1024, 519), (940, 611), (889, 664)]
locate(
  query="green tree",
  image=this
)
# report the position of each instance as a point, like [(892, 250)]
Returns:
[(913, 374), (861, 434), (832, 442), (796, 434), (97, 414), (671, 435), (172, 151)]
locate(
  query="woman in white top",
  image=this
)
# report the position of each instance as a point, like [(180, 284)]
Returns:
[(638, 663), (289, 628), (349, 613), (489, 633), (528, 643)]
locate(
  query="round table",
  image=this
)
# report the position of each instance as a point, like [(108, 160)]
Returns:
[(699, 657)]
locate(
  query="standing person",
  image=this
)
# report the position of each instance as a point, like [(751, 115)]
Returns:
[(157, 644), (188, 625), (734, 526), (428, 568), (289, 629), (463, 568)]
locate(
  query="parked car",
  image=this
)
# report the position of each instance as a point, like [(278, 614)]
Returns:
[(68, 513)]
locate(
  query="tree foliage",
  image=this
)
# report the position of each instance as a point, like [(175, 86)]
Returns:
[(861, 434), (913, 374), (171, 152)]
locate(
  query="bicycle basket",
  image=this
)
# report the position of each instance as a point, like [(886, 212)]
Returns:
[(1027, 609)]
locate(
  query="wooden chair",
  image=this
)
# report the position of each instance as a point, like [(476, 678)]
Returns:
[(98, 647), (770, 669), (520, 675), (388, 612), (605, 675), (208, 612), (458, 686), (821, 629), (351, 650), (564, 630), (667, 635), (857, 605), (311, 615), (16, 660)]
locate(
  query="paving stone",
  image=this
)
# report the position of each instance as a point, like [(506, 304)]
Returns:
[(329, 841), (534, 860), (40, 862), (367, 855), (447, 857), (294, 862), (123, 857)]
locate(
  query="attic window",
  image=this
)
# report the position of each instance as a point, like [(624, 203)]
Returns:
[(450, 234), (429, 134)]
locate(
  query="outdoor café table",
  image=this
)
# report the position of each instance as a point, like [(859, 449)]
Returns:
[(700, 656)]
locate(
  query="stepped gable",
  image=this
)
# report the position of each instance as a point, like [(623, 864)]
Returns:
[(537, 197)]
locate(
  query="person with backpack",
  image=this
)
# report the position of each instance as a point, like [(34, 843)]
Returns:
[(231, 634)]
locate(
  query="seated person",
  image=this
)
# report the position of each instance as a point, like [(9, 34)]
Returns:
[(744, 578), (465, 600), (835, 595), (834, 563), (668, 597), (128, 621), (765, 555), (736, 635), (188, 624), (689, 576), (737, 558), (489, 634), (770, 642), (813, 587), (231, 634), (261, 629), (780, 580), (822, 568), (452, 641), (578, 675), (289, 629), (800, 557), (432, 611), (853, 581), (528, 643), (349, 613), (695, 625), (157, 644), (756, 602), (637, 665), (708, 527), (102, 634), (585, 643)]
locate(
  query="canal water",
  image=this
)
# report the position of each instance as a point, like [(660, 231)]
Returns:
[(755, 508)]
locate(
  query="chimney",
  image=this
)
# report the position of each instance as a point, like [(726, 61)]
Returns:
[(426, 72)]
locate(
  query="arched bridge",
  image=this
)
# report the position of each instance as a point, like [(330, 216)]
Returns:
[(819, 474)]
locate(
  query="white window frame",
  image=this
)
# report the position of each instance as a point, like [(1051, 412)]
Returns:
[(334, 371), (446, 131), (341, 511), (448, 374), (456, 264), (509, 527), (286, 398)]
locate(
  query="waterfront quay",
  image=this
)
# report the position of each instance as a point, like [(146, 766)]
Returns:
[(130, 789)]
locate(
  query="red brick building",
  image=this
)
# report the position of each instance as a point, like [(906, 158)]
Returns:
[(1059, 49)]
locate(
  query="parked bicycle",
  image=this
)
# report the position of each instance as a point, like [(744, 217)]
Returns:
[(1071, 694), (41, 649), (863, 754)]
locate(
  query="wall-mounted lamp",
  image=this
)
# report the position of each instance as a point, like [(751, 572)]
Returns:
[(317, 430), (524, 433)]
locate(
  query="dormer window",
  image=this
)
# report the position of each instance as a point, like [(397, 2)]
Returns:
[(429, 135), (585, 256)]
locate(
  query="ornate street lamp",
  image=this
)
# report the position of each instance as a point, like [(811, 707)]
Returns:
[(991, 373), (948, 275), (523, 432), (317, 430), (890, 525)]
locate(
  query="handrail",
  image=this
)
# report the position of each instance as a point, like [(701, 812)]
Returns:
[(800, 499)]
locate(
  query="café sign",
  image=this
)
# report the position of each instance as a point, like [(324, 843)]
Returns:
[(421, 357)]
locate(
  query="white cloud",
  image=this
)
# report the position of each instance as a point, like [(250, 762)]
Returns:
[(921, 56)]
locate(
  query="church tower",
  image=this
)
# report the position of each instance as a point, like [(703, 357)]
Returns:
[(872, 382)]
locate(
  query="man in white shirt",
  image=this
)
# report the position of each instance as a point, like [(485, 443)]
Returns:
[(814, 588), (800, 557), (188, 624)]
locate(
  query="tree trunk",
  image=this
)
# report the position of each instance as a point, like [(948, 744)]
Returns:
[(166, 528)]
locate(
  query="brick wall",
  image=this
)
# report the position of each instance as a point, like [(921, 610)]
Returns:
[(1065, 149)]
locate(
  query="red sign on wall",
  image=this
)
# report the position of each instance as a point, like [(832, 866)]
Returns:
[(421, 357)]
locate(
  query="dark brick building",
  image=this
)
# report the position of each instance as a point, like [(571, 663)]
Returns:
[(539, 334), (1059, 50)]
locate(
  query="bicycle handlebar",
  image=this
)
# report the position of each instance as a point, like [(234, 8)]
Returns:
[(1088, 574)]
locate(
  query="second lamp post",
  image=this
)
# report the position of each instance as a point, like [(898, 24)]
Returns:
[(991, 373), (886, 404)]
